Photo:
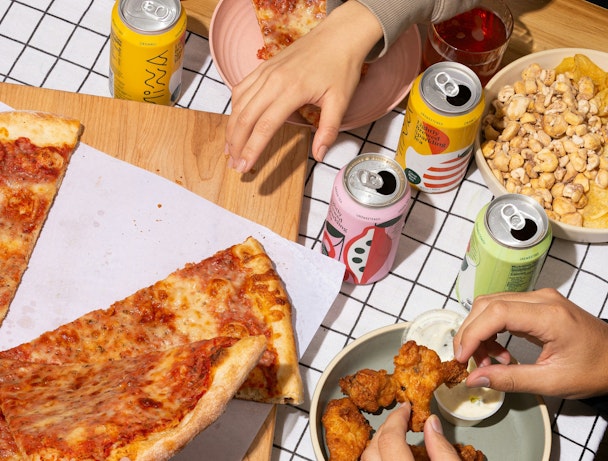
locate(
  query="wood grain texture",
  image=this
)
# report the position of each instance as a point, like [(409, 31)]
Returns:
[(546, 24), (186, 147)]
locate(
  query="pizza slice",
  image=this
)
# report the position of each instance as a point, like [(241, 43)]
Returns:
[(236, 293), (138, 408), (35, 149)]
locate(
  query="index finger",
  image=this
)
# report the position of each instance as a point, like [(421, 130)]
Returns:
[(251, 129), (516, 313)]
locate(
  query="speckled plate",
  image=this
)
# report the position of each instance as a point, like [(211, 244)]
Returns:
[(235, 38), (520, 431)]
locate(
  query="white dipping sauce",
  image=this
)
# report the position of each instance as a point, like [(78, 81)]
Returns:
[(435, 329), (470, 403)]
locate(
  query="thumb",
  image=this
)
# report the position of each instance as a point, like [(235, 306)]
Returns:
[(437, 446)]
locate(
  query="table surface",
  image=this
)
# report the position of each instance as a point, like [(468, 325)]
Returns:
[(63, 44)]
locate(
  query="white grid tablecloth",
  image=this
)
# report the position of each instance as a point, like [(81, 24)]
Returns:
[(64, 44)]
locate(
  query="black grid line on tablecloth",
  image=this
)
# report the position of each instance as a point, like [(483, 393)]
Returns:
[(64, 44)]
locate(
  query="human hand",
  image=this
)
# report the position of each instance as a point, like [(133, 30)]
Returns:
[(322, 68), (389, 444), (574, 357)]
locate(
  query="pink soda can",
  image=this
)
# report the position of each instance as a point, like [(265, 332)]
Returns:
[(370, 198)]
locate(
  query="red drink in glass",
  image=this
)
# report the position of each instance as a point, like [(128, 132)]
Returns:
[(476, 38)]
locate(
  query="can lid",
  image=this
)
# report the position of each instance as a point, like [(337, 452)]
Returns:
[(149, 16), (516, 221), (375, 180), (451, 88)]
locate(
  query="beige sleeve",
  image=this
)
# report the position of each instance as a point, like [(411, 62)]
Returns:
[(396, 16)]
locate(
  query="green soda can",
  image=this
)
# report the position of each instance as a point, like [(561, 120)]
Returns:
[(508, 246)]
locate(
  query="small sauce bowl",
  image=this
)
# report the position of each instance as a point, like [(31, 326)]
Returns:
[(468, 406), (435, 329)]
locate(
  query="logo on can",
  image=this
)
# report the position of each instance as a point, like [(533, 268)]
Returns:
[(146, 50), (369, 201), (441, 121), (508, 246)]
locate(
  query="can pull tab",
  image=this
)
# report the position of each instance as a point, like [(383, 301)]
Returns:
[(370, 179), (513, 217), (446, 84)]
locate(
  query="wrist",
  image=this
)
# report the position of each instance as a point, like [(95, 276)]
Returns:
[(354, 27)]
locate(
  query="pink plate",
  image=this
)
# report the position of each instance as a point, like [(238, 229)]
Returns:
[(235, 38)]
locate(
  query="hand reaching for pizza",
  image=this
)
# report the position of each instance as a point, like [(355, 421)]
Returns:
[(321, 68)]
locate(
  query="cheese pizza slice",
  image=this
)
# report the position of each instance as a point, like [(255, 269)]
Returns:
[(138, 408), (35, 149), (236, 293)]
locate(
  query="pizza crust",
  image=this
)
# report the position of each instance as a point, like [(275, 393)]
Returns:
[(41, 128), (272, 303)]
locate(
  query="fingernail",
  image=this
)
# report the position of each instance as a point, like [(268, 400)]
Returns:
[(405, 403), (321, 152), (480, 381), (230, 161), (227, 149), (458, 352), (436, 424), (241, 165)]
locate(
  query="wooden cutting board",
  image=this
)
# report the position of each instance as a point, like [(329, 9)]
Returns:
[(186, 147)]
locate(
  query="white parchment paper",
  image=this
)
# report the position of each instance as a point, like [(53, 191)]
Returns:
[(115, 228)]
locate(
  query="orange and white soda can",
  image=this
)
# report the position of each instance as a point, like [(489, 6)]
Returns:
[(441, 121)]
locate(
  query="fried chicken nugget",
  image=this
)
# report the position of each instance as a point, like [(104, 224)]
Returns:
[(347, 432), (418, 372), (370, 390), (454, 372), (466, 453)]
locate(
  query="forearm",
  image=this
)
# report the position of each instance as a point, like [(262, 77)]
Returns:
[(396, 16)]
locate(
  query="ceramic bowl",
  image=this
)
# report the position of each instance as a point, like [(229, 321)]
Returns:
[(465, 406), (510, 74), (521, 426), (235, 38)]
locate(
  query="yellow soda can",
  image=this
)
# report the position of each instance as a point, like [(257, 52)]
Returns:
[(441, 121), (147, 50)]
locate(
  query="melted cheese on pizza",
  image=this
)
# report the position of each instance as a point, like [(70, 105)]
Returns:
[(8, 448), (28, 184), (34, 152), (86, 411), (284, 21)]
